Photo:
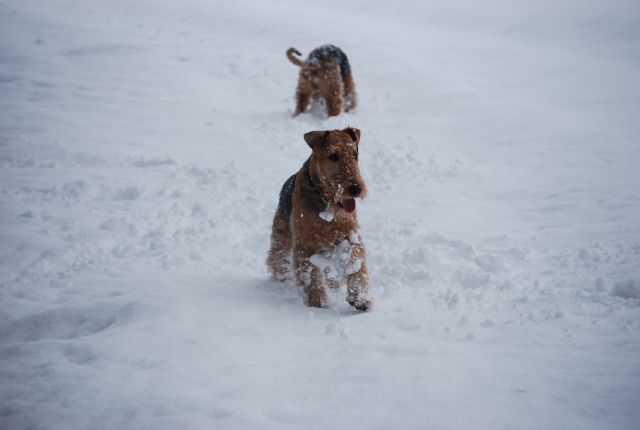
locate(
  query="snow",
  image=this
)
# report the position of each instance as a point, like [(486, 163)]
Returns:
[(337, 263), (629, 289), (142, 148), (326, 215)]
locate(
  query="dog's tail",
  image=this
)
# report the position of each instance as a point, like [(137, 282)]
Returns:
[(297, 61)]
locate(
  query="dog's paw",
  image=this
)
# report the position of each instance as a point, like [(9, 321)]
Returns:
[(362, 305), (280, 276), (316, 303), (316, 298)]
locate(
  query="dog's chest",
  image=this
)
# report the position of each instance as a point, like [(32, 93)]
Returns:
[(318, 233)]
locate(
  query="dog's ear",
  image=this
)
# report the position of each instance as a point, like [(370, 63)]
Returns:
[(353, 132), (315, 138)]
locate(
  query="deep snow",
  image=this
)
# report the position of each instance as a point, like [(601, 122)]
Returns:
[(142, 147)]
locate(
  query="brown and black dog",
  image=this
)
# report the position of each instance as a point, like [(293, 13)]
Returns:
[(316, 223), (325, 74)]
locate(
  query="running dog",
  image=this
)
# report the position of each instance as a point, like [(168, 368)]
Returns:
[(325, 74), (315, 228)]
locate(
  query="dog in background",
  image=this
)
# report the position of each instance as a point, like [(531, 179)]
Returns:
[(315, 228), (325, 74)]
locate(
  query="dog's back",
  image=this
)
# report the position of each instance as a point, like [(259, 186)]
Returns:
[(286, 195), (320, 57), (327, 53)]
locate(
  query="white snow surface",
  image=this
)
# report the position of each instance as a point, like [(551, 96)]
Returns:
[(143, 144)]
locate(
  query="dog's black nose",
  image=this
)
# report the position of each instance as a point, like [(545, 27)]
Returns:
[(355, 190)]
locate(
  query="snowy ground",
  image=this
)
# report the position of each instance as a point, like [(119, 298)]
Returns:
[(142, 147)]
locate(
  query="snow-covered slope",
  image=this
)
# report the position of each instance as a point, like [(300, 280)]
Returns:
[(142, 147)]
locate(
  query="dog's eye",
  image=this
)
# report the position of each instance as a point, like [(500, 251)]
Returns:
[(334, 157), (356, 156)]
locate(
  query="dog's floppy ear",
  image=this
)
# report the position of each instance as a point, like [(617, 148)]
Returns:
[(353, 132), (315, 138)]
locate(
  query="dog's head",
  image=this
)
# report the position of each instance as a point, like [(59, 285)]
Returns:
[(334, 165)]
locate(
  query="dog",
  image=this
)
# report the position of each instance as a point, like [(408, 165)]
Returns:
[(326, 74), (315, 227)]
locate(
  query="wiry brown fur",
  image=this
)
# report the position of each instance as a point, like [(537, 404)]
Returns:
[(322, 185), (329, 79)]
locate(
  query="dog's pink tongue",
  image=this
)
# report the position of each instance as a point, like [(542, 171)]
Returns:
[(349, 205)]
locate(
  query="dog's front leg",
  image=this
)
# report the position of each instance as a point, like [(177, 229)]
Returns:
[(358, 280), (311, 279)]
